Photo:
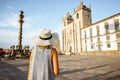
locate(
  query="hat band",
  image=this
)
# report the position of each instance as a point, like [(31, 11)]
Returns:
[(46, 38)]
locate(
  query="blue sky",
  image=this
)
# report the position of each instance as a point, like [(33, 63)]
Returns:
[(44, 13)]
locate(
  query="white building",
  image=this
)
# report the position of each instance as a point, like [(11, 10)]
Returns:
[(80, 36)]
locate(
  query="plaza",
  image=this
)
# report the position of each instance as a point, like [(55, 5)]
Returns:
[(75, 67)]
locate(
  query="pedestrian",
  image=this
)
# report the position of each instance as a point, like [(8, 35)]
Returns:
[(44, 58)]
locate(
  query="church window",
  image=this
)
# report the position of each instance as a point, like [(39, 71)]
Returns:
[(77, 16), (108, 45), (86, 48), (107, 28), (90, 32), (117, 26), (118, 35), (107, 37), (64, 23), (85, 34), (98, 39), (85, 42), (98, 31), (91, 40), (91, 46), (118, 44)]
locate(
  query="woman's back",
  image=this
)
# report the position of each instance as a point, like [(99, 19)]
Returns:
[(42, 65), (44, 59)]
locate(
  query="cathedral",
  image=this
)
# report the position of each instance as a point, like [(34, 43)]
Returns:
[(81, 36)]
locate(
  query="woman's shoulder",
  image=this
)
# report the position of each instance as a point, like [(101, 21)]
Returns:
[(54, 51), (53, 48)]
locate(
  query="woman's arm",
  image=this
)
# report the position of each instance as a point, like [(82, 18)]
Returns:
[(55, 61), (30, 60)]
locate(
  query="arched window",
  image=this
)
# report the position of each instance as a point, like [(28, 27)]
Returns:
[(85, 34), (77, 16), (107, 37), (117, 26), (90, 32), (98, 30), (64, 23), (106, 28)]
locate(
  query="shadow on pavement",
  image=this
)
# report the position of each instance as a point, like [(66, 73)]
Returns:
[(10, 72), (78, 70), (94, 77), (100, 76)]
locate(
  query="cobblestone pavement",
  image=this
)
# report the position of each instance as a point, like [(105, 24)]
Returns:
[(74, 67)]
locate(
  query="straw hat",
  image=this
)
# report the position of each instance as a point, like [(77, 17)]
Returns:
[(46, 38)]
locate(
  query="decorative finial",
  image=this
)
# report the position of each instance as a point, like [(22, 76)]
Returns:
[(67, 13), (21, 16), (81, 3), (21, 11), (89, 6), (74, 9)]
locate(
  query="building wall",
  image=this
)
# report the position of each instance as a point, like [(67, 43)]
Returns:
[(68, 38), (92, 43), (80, 36)]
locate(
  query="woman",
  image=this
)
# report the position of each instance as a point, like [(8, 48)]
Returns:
[(44, 58)]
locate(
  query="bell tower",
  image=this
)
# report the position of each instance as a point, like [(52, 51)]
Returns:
[(82, 15), (82, 19), (66, 22), (71, 30)]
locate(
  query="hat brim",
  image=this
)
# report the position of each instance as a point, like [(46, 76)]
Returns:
[(52, 41)]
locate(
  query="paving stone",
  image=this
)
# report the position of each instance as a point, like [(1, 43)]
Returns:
[(76, 67)]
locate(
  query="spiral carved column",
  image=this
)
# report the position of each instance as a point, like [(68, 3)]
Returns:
[(21, 21)]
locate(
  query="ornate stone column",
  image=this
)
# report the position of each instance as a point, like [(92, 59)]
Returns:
[(21, 16)]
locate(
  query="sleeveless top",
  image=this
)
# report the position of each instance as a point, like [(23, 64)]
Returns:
[(41, 66)]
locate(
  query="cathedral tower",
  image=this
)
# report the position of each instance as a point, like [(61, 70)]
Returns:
[(82, 19), (82, 16), (71, 31), (66, 38)]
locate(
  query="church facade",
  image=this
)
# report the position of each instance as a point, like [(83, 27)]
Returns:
[(81, 36)]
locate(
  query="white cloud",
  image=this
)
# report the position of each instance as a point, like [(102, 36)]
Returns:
[(11, 38), (8, 38), (9, 7), (9, 20), (12, 20), (31, 27), (7, 33)]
